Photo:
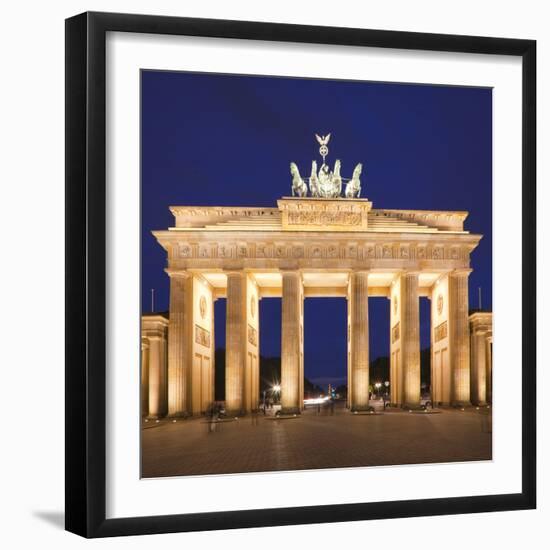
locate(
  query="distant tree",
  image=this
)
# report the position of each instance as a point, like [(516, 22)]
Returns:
[(342, 390), (311, 389), (379, 370), (270, 374)]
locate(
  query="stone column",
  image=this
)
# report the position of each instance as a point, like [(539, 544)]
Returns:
[(163, 384), (235, 359), (478, 382), (410, 338), (489, 366), (156, 381), (459, 337), (213, 354), (144, 377), (359, 336), (179, 328), (291, 400)]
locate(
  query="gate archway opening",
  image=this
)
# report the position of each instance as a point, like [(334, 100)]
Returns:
[(325, 348)]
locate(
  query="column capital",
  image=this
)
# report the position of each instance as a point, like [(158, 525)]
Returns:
[(359, 271), (289, 269), (177, 273), (155, 336), (411, 272), (465, 271), (234, 272), (287, 272)]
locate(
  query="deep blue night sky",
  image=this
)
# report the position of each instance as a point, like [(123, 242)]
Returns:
[(228, 140)]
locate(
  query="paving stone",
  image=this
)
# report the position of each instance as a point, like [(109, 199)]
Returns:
[(314, 441)]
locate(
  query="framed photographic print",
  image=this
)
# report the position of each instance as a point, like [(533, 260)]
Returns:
[(300, 274)]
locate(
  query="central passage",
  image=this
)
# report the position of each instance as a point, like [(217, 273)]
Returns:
[(325, 346)]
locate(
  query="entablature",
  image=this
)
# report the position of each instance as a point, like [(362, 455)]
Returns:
[(405, 251)]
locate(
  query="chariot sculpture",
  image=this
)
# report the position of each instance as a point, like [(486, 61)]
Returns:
[(325, 183)]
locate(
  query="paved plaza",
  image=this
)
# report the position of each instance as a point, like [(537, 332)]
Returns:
[(311, 441)]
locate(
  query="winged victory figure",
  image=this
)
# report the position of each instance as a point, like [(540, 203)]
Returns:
[(323, 140)]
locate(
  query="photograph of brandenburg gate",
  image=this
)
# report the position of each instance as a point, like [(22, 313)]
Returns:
[(313, 247)]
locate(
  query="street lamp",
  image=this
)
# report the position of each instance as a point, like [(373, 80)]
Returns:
[(378, 385), (276, 390)]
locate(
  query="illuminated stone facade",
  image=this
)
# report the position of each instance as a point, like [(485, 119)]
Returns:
[(481, 350), (311, 247), (154, 373)]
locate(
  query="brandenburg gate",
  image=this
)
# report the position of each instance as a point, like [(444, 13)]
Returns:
[(322, 245)]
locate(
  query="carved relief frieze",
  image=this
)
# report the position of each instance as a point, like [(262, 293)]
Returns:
[(205, 251), (225, 251), (315, 251), (252, 335), (185, 251), (203, 307), (437, 253), (326, 215), (298, 252), (263, 250), (395, 333), (202, 336), (324, 218), (351, 251), (331, 250), (440, 331), (242, 251), (440, 302)]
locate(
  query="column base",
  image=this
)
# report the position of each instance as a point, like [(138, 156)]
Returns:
[(290, 410), (461, 404), (412, 406), (233, 413), (179, 415), (154, 416), (361, 408)]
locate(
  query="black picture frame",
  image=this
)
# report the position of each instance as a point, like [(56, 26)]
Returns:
[(86, 274)]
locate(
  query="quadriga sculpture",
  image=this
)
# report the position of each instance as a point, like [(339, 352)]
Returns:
[(353, 187), (323, 182), (299, 188), (337, 179), (314, 180)]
